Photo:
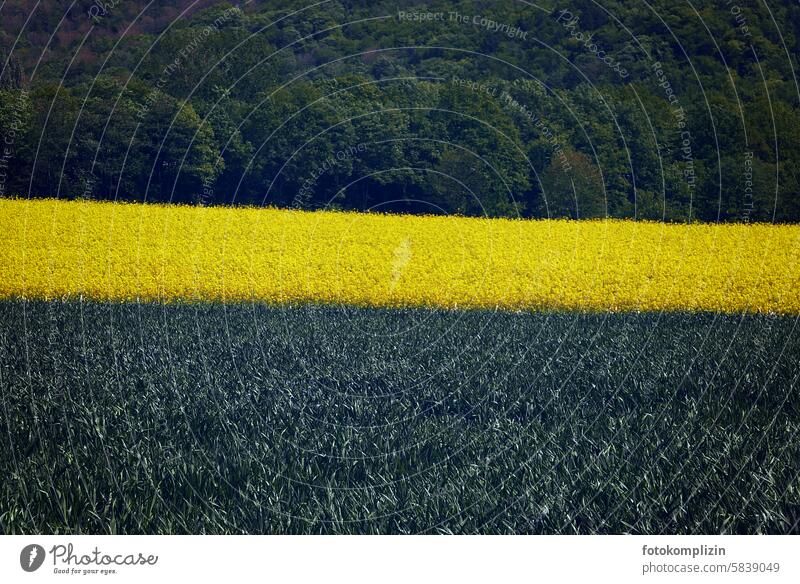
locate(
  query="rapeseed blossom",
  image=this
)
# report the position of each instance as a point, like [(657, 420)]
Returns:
[(110, 251)]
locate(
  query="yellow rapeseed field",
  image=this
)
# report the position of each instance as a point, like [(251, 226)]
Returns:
[(53, 249)]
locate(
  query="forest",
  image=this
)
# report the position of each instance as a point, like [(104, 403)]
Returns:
[(661, 111)]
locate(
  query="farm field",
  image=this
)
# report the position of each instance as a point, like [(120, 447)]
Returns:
[(374, 268), (105, 251), (246, 418)]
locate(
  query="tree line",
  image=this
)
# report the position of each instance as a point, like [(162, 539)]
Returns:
[(348, 105)]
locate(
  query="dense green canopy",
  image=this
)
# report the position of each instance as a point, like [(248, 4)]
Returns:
[(656, 110)]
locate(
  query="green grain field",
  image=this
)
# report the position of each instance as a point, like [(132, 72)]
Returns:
[(149, 418)]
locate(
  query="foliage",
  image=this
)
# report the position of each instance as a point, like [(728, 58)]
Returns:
[(244, 105)]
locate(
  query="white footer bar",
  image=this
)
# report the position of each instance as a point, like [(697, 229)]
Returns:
[(401, 559)]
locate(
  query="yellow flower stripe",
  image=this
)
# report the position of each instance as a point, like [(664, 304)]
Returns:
[(51, 249)]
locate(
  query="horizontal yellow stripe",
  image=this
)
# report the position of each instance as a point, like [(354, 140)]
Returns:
[(111, 251)]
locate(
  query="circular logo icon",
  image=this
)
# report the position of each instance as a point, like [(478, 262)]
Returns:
[(31, 557)]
